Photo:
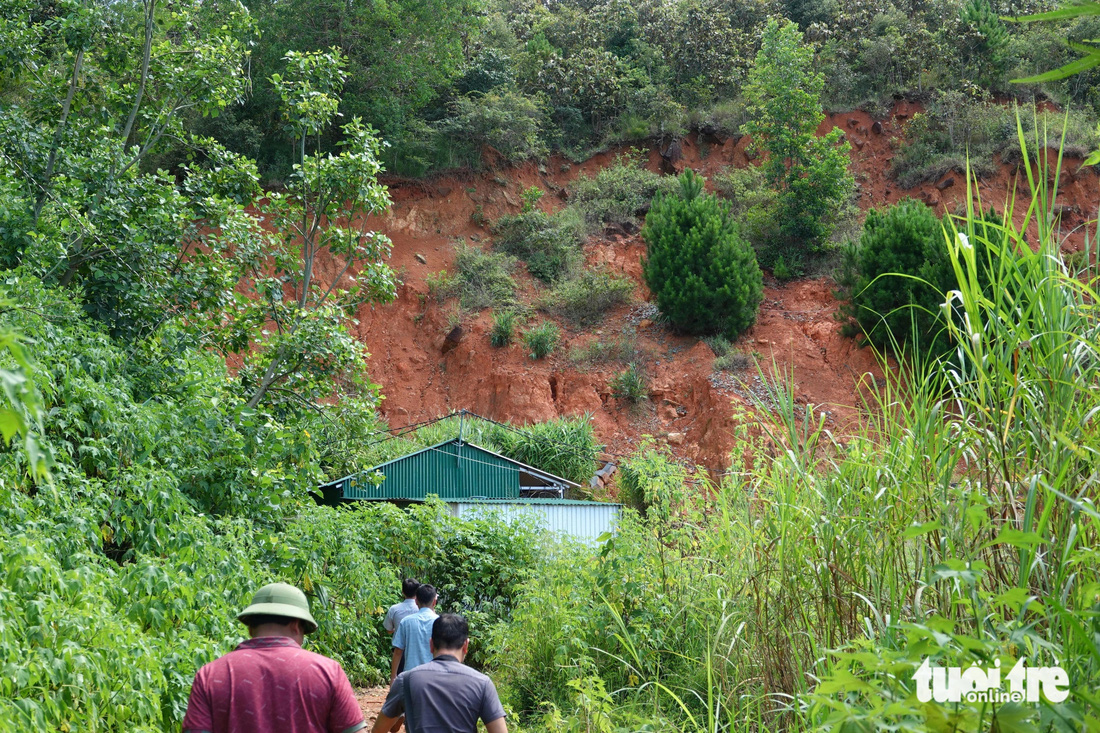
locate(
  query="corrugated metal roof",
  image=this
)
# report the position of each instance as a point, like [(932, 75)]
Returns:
[(586, 521), (450, 470)]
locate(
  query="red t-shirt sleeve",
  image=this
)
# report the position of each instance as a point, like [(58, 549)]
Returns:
[(199, 716), (344, 715)]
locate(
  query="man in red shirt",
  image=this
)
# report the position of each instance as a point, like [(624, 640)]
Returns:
[(269, 683)]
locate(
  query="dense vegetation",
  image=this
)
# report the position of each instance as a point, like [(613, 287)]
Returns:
[(804, 590), (177, 374)]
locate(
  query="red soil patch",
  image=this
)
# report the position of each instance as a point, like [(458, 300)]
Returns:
[(370, 702), (795, 326)]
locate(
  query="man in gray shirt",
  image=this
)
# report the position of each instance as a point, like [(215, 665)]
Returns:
[(444, 695)]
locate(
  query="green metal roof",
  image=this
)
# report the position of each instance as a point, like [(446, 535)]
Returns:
[(450, 470)]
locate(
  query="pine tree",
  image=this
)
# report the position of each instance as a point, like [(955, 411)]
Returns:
[(703, 276)]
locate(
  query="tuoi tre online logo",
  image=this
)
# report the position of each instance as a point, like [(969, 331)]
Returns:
[(975, 684)]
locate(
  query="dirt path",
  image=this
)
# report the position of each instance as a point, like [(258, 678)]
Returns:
[(370, 702)]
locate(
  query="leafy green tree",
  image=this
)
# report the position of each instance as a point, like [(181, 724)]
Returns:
[(507, 121), (289, 324), (93, 90), (808, 173), (399, 55), (703, 276)]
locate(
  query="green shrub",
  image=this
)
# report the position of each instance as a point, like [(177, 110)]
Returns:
[(531, 197), (703, 276), (901, 261), (508, 122), (548, 244), (630, 385), (504, 326), (723, 118), (481, 280), (587, 298), (956, 127), (744, 189), (616, 194), (782, 270), (542, 339)]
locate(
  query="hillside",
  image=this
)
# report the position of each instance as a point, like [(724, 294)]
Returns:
[(796, 328)]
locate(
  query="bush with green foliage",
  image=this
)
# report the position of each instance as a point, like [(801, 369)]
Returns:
[(542, 339), (508, 122), (481, 279), (809, 174), (703, 276), (983, 44), (957, 127), (895, 279), (548, 244), (616, 194), (585, 299)]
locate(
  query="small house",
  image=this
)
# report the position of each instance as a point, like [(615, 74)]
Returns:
[(476, 481)]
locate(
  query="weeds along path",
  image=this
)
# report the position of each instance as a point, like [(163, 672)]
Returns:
[(690, 406)]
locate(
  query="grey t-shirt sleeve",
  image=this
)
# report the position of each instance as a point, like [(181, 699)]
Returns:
[(491, 709), (394, 706), (388, 623)]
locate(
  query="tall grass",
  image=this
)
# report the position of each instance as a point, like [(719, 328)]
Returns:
[(958, 524)]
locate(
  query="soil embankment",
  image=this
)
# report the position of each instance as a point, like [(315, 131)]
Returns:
[(690, 407)]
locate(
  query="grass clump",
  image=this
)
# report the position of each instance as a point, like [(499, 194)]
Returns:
[(565, 447), (622, 348), (504, 327), (542, 339), (726, 358), (548, 244), (586, 299), (630, 385), (481, 279)]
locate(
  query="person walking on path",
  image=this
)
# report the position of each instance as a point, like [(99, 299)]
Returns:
[(398, 612), (411, 643), (394, 616), (269, 683), (444, 695)]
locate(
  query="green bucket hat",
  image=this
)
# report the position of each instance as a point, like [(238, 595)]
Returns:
[(280, 599)]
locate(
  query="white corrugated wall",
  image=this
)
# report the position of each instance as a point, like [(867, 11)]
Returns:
[(585, 522)]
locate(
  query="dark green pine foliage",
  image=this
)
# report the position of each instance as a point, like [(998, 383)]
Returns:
[(901, 260), (703, 276), (983, 44)]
